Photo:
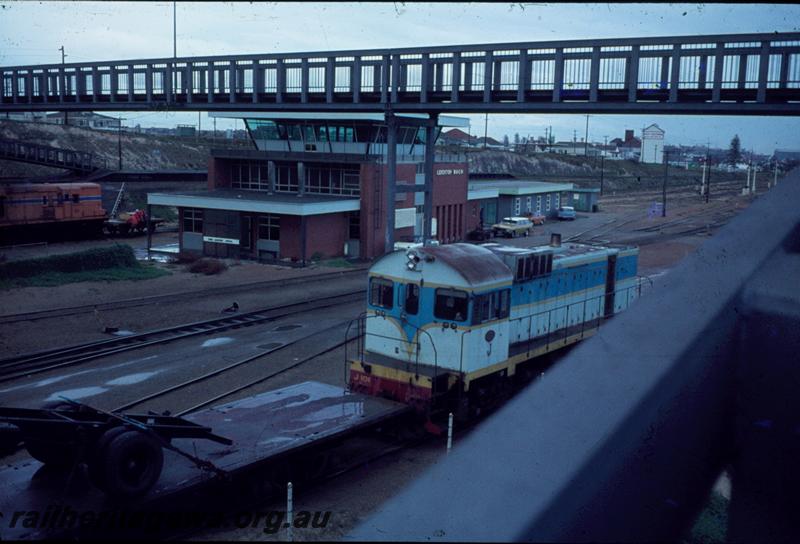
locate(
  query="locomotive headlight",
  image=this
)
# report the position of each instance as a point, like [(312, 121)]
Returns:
[(413, 260)]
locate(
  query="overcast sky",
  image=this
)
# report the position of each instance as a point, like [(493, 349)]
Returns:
[(32, 32)]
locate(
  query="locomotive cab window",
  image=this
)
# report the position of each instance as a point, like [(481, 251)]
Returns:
[(381, 293), (451, 305), (412, 299), (76, 198)]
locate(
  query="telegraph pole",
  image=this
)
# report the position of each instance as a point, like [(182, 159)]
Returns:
[(63, 56), (602, 159), (174, 31), (485, 130), (586, 138), (708, 177), (664, 186), (119, 142)]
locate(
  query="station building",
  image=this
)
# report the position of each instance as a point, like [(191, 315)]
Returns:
[(517, 197), (315, 186)]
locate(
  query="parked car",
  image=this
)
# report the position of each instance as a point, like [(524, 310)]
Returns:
[(537, 219), (566, 212), (512, 227), (479, 234)]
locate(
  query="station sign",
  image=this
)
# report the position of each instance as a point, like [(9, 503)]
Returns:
[(217, 240), (450, 172)]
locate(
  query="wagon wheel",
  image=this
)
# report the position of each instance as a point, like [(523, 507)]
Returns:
[(130, 464), (98, 453)]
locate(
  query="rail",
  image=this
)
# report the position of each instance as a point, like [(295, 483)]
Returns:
[(726, 74), (633, 427)]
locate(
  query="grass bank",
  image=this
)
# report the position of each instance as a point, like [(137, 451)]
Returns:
[(116, 263)]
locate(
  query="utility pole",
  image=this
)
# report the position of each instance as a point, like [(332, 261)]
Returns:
[(63, 56), (174, 31), (586, 138), (775, 180), (485, 130), (199, 126), (602, 159), (119, 142), (708, 178), (664, 186)]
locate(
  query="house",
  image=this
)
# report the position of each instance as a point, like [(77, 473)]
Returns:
[(456, 137), (630, 147), (85, 119)]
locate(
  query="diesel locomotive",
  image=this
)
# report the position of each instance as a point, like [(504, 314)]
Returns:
[(453, 327), (30, 210)]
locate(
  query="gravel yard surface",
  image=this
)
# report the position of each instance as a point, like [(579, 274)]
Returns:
[(27, 336)]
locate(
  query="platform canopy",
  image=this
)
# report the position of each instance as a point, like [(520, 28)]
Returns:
[(257, 202)]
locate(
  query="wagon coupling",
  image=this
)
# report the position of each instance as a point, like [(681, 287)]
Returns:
[(123, 452)]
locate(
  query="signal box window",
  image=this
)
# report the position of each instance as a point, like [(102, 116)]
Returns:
[(412, 298), (269, 227), (451, 305), (192, 220), (381, 293)]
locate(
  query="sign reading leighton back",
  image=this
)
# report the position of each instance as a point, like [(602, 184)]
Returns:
[(216, 240)]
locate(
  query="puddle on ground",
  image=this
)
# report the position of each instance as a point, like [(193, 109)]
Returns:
[(80, 393), (216, 342), (131, 379), (286, 328), (123, 332), (161, 254)]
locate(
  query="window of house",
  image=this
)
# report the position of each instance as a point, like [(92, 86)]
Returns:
[(451, 305), (548, 202), (192, 220), (412, 298), (269, 227), (528, 204), (539, 204), (381, 293), (517, 204)]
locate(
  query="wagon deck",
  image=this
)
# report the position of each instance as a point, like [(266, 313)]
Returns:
[(262, 428)]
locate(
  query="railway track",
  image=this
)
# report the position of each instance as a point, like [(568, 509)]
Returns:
[(217, 397), (44, 361), (171, 297)]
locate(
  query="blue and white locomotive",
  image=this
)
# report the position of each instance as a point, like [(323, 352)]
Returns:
[(448, 327)]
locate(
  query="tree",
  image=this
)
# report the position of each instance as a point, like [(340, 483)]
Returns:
[(735, 151), (505, 141), (516, 139)]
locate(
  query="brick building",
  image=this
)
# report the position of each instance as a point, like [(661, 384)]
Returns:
[(314, 186)]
